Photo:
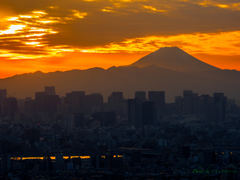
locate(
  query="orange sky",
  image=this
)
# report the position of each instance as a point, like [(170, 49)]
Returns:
[(79, 34)]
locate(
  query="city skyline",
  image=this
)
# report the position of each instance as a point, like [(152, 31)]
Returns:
[(53, 36)]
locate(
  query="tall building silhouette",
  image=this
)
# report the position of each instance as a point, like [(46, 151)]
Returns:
[(40, 101), (216, 110), (148, 113), (179, 104), (3, 95), (79, 120), (76, 101), (205, 102), (221, 102), (10, 107), (52, 101), (97, 99), (141, 95), (158, 97), (134, 112), (50, 90), (188, 102), (116, 103)]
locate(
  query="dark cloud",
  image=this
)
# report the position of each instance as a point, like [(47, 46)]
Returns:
[(130, 20)]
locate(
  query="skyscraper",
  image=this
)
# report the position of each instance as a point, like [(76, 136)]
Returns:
[(50, 90), (179, 104), (79, 120), (115, 103), (159, 98), (220, 101), (40, 101), (188, 102), (3, 94), (148, 113), (51, 104), (10, 107), (141, 95), (134, 112), (76, 101), (97, 99)]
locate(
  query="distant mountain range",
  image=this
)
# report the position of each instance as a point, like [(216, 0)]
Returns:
[(167, 69)]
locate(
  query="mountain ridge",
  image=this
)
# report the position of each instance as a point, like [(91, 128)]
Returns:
[(175, 59), (127, 79)]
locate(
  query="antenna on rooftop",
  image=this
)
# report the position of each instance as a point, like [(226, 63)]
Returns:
[(12, 95)]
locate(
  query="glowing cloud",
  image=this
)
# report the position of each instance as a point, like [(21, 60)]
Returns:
[(153, 9), (24, 36), (193, 43), (13, 29), (79, 14)]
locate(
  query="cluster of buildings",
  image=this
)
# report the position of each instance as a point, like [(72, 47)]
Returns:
[(81, 136), (77, 109)]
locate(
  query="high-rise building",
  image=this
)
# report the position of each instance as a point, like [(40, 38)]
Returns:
[(116, 103), (141, 95), (40, 101), (148, 113), (220, 101), (205, 101), (3, 95), (188, 97), (52, 101), (179, 104), (79, 120), (159, 98), (70, 122), (134, 112), (97, 99), (76, 101), (10, 107), (117, 95), (50, 90)]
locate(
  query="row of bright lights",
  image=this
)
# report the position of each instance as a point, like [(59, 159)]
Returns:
[(53, 157)]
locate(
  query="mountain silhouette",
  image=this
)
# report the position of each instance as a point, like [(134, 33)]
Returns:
[(175, 59), (126, 79), (167, 69)]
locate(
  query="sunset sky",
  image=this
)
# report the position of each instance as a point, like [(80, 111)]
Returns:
[(51, 35)]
